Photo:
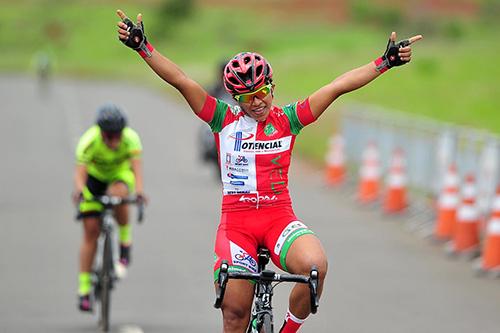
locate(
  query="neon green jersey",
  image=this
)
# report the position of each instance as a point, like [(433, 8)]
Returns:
[(102, 162)]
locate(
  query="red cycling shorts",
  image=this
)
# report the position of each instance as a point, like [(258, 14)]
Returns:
[(241, 233)]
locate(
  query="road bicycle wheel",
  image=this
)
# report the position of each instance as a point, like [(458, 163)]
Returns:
[(267, 323), (106, 283)]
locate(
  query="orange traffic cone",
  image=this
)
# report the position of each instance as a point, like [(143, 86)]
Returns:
[(395, 200), (368, 189), (466, 234), (335, 168), (490, 260), (447, 206)]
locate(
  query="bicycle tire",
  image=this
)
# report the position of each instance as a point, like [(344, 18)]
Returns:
[(106, 284), (267, 323)]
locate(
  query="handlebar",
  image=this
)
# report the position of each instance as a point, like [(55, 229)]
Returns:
[(109, 201), (267, 276)]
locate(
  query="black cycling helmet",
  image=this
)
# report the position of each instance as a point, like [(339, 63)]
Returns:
[(110, 118)]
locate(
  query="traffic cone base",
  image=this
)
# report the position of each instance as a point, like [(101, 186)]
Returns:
[(369, 182), (335, 161), (491, 257), (445, 224), (490, 260), (466, 237), (468, 253), (491, 250), (447, 205), (368, 191), (395, 201), (335, 175)]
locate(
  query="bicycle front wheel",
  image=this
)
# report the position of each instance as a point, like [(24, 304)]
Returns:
[(106, 284), (267, 323)]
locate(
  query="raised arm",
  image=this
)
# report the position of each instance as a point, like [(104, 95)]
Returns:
[(396, 54), (133, 36)]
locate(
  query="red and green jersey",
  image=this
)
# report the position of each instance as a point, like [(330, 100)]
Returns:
[(254, 156)]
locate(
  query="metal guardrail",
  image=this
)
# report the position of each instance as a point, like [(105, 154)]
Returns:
[(429, 146)]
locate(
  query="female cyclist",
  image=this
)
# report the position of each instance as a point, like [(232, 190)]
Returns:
[(255, 140)]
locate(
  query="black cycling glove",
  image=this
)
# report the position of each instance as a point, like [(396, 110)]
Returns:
[(137, 40), (391, 56)]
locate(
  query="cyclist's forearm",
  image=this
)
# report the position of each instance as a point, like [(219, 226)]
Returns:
[(166, 69), (80, 177), (347, 82), (137, 170), (354, 79)]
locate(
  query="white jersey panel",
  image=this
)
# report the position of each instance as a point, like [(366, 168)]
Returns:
[(238, 171)]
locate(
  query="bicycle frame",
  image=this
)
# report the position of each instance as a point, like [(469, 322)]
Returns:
[(262, 313), (105, 272)]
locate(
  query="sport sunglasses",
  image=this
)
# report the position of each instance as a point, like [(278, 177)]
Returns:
[(261, 93)]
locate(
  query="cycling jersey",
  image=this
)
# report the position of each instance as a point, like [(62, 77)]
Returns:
[(105, 165), (102, 162), (254, 157)]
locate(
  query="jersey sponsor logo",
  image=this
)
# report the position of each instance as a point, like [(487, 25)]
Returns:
[(241, 160), (239, 138), (235, 109), (255, 199), (237, 192), (266, 147), (242, 170), (269, 130), (290, 228), (237, 182), (261, 145), (241, 258), (233, 176)]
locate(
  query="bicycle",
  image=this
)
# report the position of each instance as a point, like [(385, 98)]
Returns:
[(104, 275), (261, 320)]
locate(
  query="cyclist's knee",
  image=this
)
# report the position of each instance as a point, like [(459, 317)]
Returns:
[(237, 305), (235, 316), (306, 252), (319, 262)]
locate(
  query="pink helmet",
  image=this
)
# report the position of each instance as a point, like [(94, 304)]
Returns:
[(246, 72)]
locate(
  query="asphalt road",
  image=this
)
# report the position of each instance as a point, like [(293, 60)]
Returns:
[(383, 278)]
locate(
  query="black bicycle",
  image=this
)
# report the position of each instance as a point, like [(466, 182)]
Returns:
[(104, 275), (261, 320)]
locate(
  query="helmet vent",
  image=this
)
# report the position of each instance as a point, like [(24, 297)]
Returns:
[(233, 80), (258, 70)]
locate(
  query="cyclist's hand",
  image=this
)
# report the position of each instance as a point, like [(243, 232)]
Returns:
[(397, 54), (142, 199), (77, 197), (132, 34)]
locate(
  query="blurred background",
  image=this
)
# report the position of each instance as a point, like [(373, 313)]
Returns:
[(453, 76), (60, 60)]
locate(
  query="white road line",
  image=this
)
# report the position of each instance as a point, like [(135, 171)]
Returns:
[(130, 329)]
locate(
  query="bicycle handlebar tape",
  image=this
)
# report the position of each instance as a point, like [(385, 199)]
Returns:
[(391, 57), (137, 40)]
